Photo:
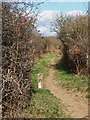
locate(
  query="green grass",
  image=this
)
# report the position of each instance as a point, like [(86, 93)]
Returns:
[(42, 66), (88, 96), (43, 104), (66, 79)]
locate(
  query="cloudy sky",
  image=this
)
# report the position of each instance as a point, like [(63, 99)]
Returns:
[(49, 11)]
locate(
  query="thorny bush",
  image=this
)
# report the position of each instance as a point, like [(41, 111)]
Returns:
[(20, 48), (18, 55)]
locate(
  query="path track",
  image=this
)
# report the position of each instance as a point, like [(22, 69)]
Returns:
[(77, 107)]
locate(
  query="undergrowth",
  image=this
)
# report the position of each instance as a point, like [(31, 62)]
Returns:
[(67, 79)]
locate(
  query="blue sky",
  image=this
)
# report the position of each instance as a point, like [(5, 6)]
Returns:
[(64, 6), (49, 10)]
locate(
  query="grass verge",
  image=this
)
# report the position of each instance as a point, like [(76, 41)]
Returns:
[(42, 66), (43, 104), (65, 78)]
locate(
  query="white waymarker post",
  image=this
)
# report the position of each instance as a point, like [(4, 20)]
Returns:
[(40, 77), (39, 84)]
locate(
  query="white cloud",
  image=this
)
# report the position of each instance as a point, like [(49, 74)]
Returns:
[(44, 21), (46, 32), (46, 17), (74, 13)]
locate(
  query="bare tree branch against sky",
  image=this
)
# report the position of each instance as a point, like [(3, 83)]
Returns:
[(50, 9)]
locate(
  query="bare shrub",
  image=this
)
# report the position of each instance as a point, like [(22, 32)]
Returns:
[(73, 34), (18, 55)]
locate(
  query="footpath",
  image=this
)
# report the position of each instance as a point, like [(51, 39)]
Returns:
[(77, 107)]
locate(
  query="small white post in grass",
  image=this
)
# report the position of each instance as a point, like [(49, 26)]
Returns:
[(40, 77), (39, 84)]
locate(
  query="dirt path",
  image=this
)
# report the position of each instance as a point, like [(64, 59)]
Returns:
[(77, 107)]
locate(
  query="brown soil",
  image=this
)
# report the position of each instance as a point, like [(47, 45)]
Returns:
[(77, 106)]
